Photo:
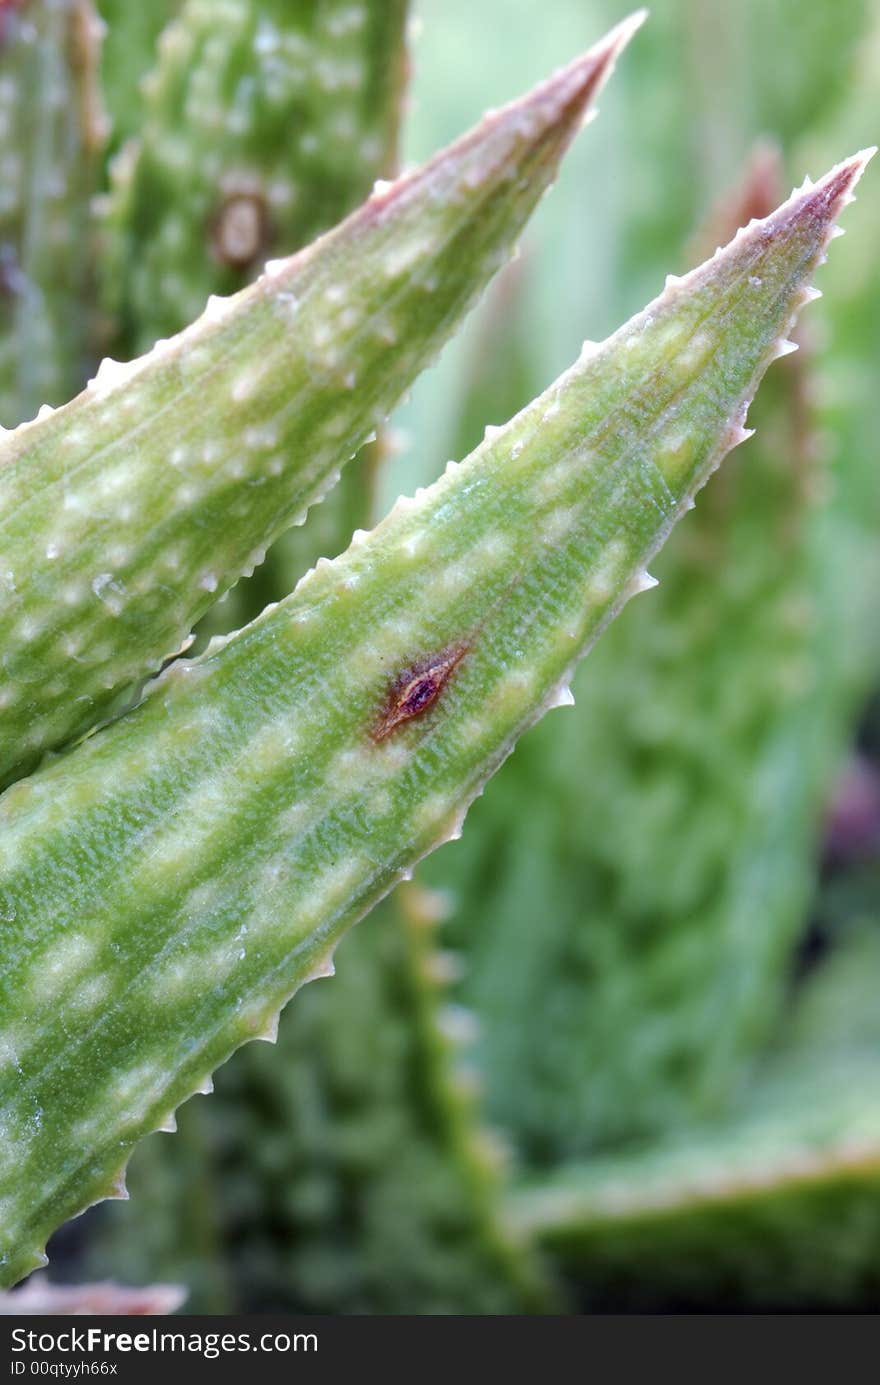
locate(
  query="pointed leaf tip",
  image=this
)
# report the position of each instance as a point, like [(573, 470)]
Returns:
[(224, 439), (618, 37), (804, 223), (833, 192), (575, 86), (545, 119)]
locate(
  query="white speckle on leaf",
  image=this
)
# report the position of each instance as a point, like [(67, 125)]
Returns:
[(28, 629), (245, 385), (110, 591)]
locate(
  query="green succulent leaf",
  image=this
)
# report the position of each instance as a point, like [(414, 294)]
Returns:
[(264, 124), (731, 1214), (372, 1187), (172, 881), (382, 1200), (664, 946), (125, 514)]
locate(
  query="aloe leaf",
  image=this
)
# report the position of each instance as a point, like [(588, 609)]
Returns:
[(173, 880), (125, 514), (346, 1170), (51, 134), (312, 97), (777, 1207), (387, 1201), (666, 933), (264, 124), (776, 1204)]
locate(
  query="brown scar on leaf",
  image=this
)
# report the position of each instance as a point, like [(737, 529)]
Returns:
[(240, 230), (416, 690)]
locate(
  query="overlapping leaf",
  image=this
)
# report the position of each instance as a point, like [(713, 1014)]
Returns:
[(171, 882), (125, 514)]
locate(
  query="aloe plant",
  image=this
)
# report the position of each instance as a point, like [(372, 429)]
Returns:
[(520, 115), (306, 100), (345, 1171), (172, 880), (429, 684), (714, 695), (120, 515)]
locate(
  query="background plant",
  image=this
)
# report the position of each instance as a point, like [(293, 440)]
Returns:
[(350, 1232)]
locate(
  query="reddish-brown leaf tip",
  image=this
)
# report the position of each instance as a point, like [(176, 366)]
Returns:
[(817, 205), (835, 190), (813, 208), (571, 89), (548, 116)]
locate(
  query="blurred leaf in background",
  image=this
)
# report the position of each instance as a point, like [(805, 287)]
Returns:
[(635, 884), (638, 876), (776, 1207)]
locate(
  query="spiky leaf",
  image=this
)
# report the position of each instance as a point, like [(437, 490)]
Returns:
[(655, 975), (173, 880), (264, 124), (347, 1170), (125, 514)]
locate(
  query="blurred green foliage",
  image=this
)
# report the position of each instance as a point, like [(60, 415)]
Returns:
[(672, 997), (633, 883), (775, 1206)]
